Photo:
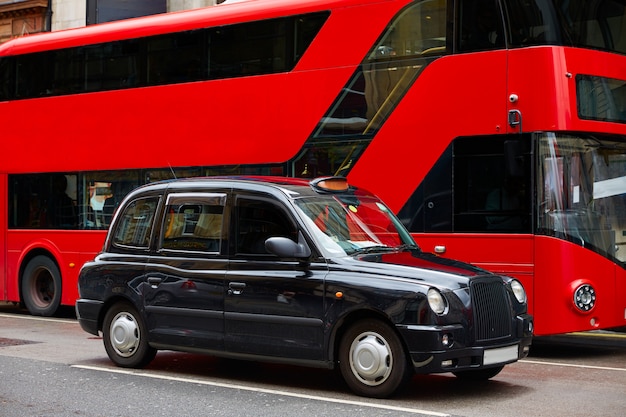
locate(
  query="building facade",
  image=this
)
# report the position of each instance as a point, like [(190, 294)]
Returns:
[(24, 17)]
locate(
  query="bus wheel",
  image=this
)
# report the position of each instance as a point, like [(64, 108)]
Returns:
[(125, 337), (372, 360), (41, 286)]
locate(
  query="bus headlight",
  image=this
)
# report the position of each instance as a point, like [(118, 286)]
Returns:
[(437, 302), (518, 291), (585, 297)]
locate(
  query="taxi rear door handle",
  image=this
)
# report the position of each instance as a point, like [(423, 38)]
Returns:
[(154, 281), (236, 288)]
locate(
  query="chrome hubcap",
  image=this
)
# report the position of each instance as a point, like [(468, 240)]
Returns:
[(371, 359), (124, 334)]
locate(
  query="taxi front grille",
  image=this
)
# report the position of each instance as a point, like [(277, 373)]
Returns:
[(492, 314)]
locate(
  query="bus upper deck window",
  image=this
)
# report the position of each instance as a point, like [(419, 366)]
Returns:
[(419, 29), (480, 26)]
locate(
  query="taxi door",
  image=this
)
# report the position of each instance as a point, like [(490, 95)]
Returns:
[(273, 307), (184, 298)]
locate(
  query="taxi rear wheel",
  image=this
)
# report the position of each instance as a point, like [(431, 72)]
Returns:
[(372, 359), (125, 337)]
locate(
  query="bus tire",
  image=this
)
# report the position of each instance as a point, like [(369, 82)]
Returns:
[(125, 337), (41, 286), (372, 359)]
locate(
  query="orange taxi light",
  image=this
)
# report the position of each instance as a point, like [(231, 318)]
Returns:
[(331, 183)]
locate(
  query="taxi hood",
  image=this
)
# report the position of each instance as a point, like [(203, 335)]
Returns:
[(414, 265)]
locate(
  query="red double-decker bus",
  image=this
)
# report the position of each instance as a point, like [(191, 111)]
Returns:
[(496, 129)]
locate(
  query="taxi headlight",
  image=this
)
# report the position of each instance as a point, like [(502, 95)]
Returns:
[(437, 302), (518, 291)]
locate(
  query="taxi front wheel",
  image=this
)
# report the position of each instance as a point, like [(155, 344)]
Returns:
[(125, 337), (372, 359)]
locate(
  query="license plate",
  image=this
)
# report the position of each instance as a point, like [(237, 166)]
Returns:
[(500, 355)]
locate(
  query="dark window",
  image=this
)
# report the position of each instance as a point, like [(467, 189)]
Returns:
[(600, 98), (43, 201), (492, 185), (88, 200), (135, 225), (68, 200), (429, 209), (578, 23), (7, 78), (256, 221), (480, 27), (194, 223), (99, 11), (100, 194), (479, 184), (112, 66), (176, 58), (254, 48)]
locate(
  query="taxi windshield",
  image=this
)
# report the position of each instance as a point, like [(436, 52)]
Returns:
[(351, 224)]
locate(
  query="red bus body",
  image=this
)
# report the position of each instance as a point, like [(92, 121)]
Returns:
[(265, 120)]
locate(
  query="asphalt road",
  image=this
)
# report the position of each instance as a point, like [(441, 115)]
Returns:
[(50, 367)]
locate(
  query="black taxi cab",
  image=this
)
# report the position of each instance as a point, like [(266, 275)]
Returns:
[(309, 272)]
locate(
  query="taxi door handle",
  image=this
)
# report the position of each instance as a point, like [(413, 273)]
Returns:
[(154, 281), (236, 288), (440, 249)]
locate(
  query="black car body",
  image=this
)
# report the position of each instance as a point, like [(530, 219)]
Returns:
[(315, 273)]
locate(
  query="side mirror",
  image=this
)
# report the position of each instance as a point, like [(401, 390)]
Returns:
[(286, 248)]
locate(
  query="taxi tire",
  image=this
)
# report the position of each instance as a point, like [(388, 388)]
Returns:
[(372, 359), (125, 339)]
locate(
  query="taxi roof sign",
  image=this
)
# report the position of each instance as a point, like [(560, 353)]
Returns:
[(330, 184)]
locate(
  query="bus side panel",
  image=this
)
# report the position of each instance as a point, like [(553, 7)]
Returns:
[(263, 119), (556, 88), (620, 290), (69, 249), (561, 267), (3, 236)]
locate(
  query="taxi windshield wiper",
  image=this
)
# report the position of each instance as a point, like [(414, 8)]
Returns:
[(384, 248), (407, 247), (373, 249)]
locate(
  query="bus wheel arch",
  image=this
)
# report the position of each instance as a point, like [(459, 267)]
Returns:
[(41, 284)]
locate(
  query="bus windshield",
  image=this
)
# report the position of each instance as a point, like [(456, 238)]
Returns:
[(349, 225), (582, 191), (595, 24)]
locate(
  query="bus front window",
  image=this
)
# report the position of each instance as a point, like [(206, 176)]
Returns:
[(581, 191), (578, 23)]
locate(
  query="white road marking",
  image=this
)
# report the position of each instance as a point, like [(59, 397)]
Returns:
[(39, 318), (571, 365), (263, 390)]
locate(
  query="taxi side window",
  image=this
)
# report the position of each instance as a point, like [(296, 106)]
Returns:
[(256, 221), (134, 227), (194, 223)]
